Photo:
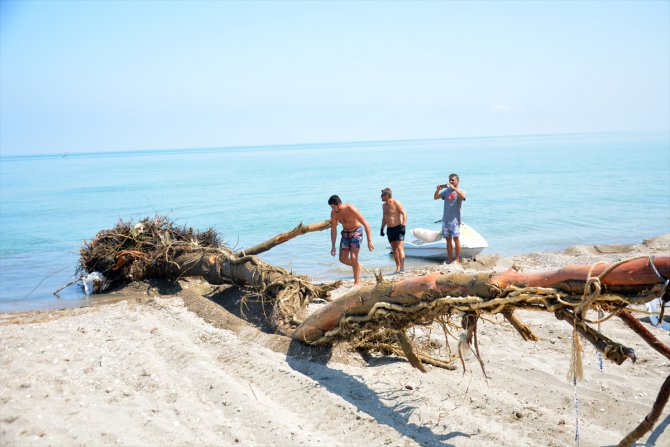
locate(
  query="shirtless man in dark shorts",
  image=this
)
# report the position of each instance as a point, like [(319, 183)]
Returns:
[(352, 233), (395, 218)]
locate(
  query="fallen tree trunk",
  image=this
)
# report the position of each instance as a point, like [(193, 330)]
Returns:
[(289, 294), (481, 292), (626, 278)]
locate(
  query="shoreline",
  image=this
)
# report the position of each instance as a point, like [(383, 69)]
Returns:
[(584, 253), (165, 366)]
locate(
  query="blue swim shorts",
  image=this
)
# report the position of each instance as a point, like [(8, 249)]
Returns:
[(451, 229), (351, 238)]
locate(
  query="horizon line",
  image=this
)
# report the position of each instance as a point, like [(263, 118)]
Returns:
[(64, 154)]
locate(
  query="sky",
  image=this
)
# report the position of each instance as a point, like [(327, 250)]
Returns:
[(88, 76)]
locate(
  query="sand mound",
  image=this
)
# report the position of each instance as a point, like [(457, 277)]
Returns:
[(661, 243)]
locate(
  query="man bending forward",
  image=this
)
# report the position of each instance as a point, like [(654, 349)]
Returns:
[(352, 233)]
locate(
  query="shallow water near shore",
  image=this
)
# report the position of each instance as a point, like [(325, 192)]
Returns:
[(525, 194)]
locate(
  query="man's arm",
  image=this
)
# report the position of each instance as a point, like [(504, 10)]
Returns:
[(333, 232), (362, 220), (437, 192), (459, 191), (403, 214), (381, 232)]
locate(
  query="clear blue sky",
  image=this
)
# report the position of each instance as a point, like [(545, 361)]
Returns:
[(124, 75)]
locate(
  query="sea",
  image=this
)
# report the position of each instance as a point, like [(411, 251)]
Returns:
[(525, 194)]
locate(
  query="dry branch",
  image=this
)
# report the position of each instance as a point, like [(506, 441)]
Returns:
[(643, 332), (281, 238), (648, 423), (612, 350), (521, 327), (407, 349)]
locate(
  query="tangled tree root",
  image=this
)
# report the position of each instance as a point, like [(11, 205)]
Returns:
[(157, 248), (131, 252)]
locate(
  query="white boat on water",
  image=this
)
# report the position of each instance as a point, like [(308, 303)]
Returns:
[(430, 244)]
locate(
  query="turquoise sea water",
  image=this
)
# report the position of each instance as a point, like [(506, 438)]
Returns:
[(525, 194)]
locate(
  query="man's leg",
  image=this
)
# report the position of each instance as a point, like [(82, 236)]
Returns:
[(401, 252), (355, 265), (344, 256), (450, 249), (396, 254), (457, 242)]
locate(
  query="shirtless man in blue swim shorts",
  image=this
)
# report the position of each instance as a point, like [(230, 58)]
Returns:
[(453, 198), (395, 218), (353, 223)]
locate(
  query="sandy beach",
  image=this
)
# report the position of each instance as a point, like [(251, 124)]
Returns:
[(155, 367)]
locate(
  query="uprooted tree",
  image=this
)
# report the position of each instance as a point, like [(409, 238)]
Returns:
[(156, 248), (379, 317)]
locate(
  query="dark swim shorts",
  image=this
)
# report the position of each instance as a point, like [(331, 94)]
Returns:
[(396, 233), (351, 238)]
